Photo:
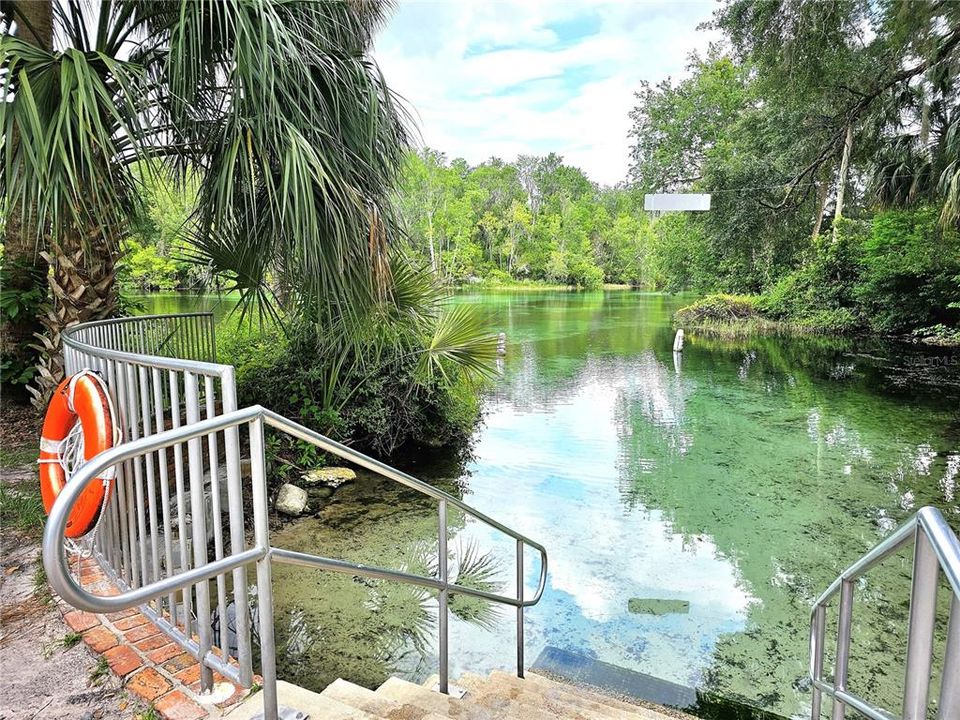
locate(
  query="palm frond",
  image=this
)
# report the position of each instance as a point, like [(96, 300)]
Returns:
[(460, 339)]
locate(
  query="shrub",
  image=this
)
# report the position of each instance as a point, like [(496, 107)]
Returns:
[(373, 398), (911, 272), (718, 308)]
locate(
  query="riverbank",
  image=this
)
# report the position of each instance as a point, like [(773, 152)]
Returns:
[(534, 286), (741, 316)]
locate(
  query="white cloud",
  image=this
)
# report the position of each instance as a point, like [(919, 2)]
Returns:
[(503, 78)]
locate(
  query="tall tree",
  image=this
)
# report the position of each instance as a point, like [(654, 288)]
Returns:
[(277, 107), (23, 275)]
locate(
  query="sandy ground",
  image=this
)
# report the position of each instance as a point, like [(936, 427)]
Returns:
[(39, 676)]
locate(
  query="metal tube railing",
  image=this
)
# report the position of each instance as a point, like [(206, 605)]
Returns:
[(936, 549), (154, 558)]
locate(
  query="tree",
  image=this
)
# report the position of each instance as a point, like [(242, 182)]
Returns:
[(23, 273), (276, 106)]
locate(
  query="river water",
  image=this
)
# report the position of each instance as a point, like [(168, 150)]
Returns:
[(738, 480)]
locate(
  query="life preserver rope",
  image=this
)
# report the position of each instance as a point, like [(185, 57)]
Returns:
[(80, 423)]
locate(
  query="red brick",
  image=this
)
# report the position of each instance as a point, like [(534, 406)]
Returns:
[(189, 676), (140, 632), (123, 660), (78, 620), (178, 663), (148, 684), (153, 642), (164, 653), (131, 622), (113, 617), (100, 639), (177, 706), (93, 574)]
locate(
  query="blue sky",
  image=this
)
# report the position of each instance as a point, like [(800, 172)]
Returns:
[(508, 77)]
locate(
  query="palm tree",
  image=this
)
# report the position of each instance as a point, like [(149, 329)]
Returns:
[(276, 107), (23, 275)]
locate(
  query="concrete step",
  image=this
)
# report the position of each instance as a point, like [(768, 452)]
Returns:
[(407, 693), (370, 702), (589, 695), (569, 697), (313, 705), (511, 700)]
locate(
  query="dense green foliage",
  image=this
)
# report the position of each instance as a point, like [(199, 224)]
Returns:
[(408, 373), (534, 219), (249, 145), (832, 156)]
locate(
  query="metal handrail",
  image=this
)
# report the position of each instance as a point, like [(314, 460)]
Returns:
[(163, 362), (937, 549), (56, 560)]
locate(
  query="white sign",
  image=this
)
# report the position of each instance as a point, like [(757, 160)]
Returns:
[(674, 202)]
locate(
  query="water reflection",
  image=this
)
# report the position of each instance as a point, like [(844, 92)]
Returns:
[(740, 477)]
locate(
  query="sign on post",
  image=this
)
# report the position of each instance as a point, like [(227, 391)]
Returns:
[(677, 202)]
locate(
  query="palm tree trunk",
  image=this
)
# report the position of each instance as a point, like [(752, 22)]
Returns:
[(24, 269), (82, 282)]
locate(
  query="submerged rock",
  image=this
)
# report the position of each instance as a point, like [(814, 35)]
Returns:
[(291, 500), (332, 477)]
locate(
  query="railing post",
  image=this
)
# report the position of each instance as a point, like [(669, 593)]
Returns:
[(949, 705), (844, 626), (261, 533), (520, 662), (923, 616), (442, 618), (818, 624), (231, 441), (198, 518)]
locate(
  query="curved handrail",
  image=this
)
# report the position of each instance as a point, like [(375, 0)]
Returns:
[(55, 555), (162, 362)]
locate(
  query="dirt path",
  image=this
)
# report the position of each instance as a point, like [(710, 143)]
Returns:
[(46, 672)]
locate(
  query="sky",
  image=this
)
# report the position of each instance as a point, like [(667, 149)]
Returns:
[(509, 77)]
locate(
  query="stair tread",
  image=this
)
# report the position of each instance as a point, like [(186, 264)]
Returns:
[(567, 701), (511, 700), (443, 705), (370, 702), (637, 710), (313, 704)]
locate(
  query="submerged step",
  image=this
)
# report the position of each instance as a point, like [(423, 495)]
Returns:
[(601, 678)]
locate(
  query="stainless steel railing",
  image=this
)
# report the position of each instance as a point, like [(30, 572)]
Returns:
[(161, 564), (937, 549)]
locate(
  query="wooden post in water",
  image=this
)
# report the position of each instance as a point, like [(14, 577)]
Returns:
[(678, 341)]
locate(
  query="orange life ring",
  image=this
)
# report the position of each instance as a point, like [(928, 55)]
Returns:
[(83, 399)]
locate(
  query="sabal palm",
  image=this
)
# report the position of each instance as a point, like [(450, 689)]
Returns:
[(276, 105)]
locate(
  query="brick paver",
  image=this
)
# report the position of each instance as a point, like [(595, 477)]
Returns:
[(177, 706), (123, 660), (78, 620), (149, 684), (100, 639), (156, 669)]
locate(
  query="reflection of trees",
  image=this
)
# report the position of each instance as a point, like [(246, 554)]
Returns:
[(557, 337), (793, 475), (330, 625)]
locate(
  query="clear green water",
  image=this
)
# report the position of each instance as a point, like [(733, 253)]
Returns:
[(740, 478)]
